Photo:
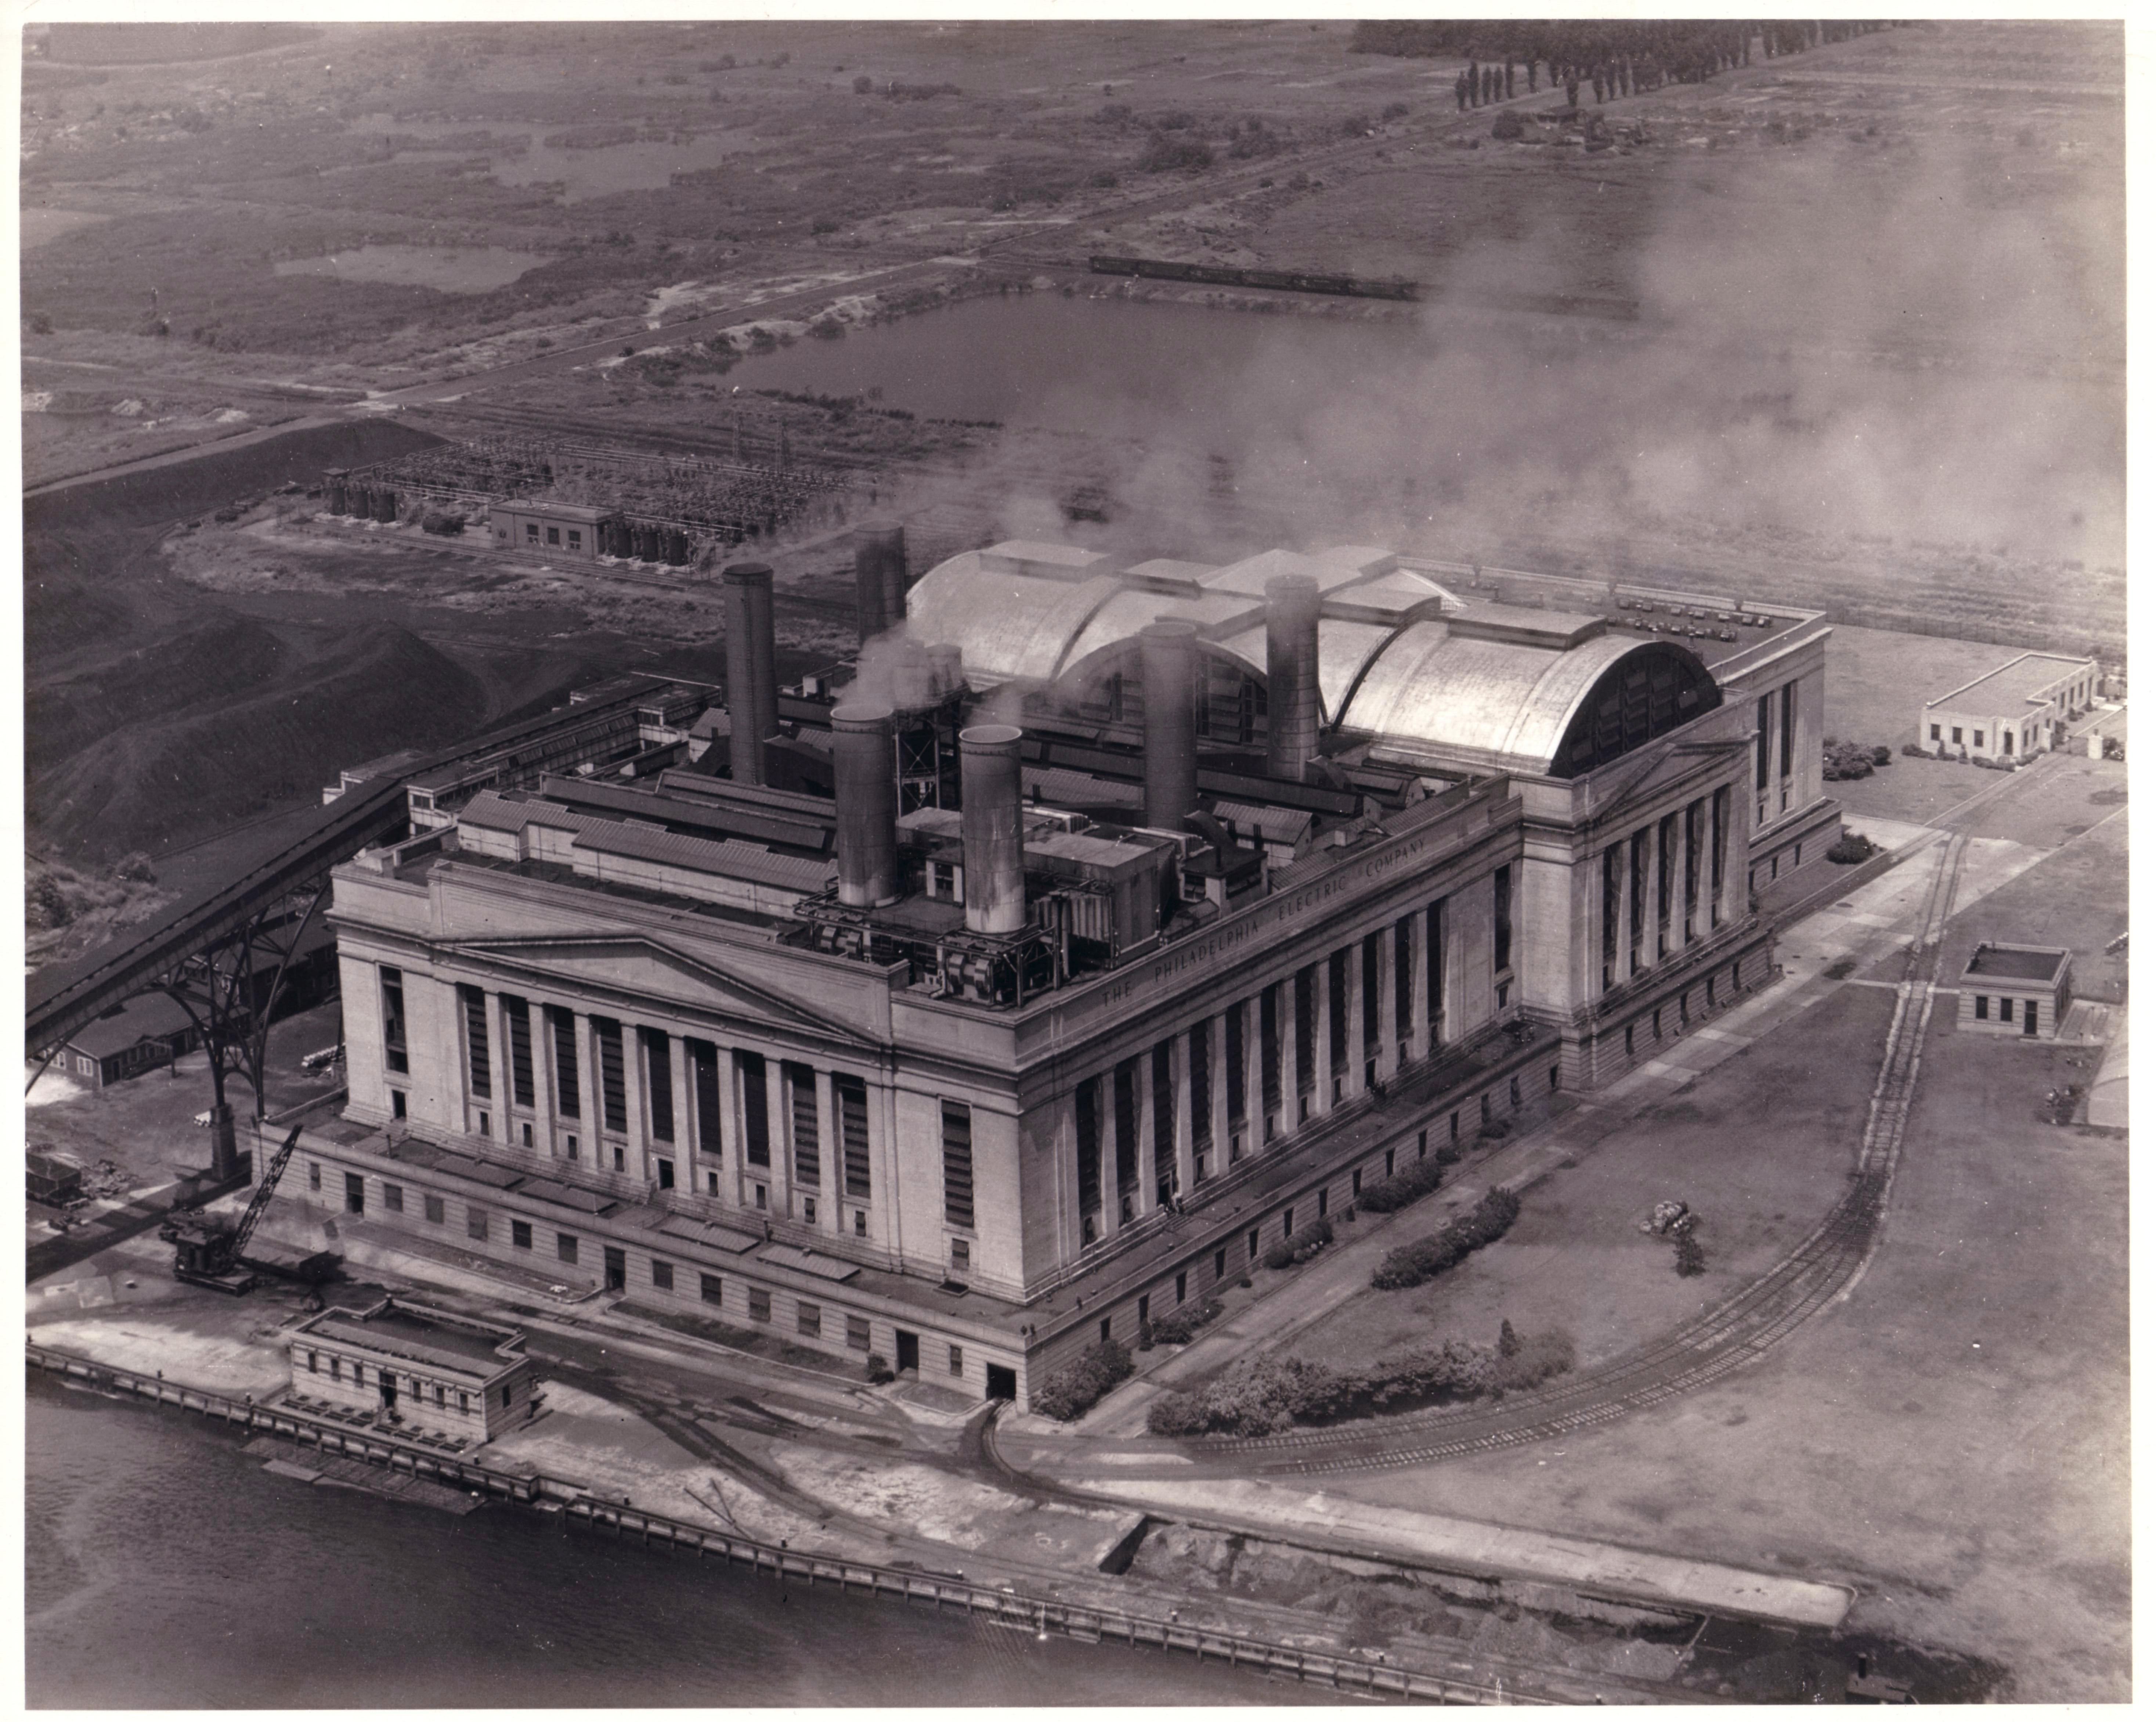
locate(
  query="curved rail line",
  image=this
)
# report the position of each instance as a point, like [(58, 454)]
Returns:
[(1823, 1268)]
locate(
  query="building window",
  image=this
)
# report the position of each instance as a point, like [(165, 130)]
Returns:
[(1789, 725), (518, 1015), (474, 1007), (576, 539), (798, 1082), (565, 1246), (857, 1333), (1763, 730), (613, 1091), (658, 1083), (568, 1095), (759, 1304), (809, 1320), (527, 1129), (464, 1403), (1976, 739), (662, 1275), (1718, 870), (553, 535), (392, 1198), (708, 1286), (314, 1364), (1935, 732), (476, 1223), (704, 1087), (860, 1218), (433, 1209), (2005, 742), (486, 1125), (1513, 1088), (355, 1193), (1501, 942), (957, 1163), (336, 1369), (1957, 735), (958, 1360), (852, 1098), (962, 1254), (520, 1234), (441, 1395), (395, 1053), (756, 1107), (1983, 1008), (531, 531)]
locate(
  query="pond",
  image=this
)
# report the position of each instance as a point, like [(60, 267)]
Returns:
[(583, 168), (1039, 358), (447, 268)]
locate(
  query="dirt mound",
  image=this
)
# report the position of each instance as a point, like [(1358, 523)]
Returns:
[(214, 478), (166, 778), (222, 661)]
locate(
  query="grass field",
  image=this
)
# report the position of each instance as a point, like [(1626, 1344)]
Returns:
[(1953, 1436)]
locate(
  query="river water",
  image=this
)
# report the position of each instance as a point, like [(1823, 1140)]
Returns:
[(165, 1570)]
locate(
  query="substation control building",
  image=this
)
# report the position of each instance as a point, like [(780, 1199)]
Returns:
[(1152, 911), (2024, 707)]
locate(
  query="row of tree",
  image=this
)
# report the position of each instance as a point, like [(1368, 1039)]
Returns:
[(1615, 57)]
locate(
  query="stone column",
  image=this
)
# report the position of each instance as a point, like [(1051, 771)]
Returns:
[(1357, 1026), (1146, 1109), (780, 1177), (1110, 1152), (1254, 1074), (684, 1082), (1179, 1086), (543, 1124), (1388, 1016), (1321, 1036), (830, 1155), (1216, 1031), (638, 1159), (589, 1105), (1651, 895), (1419, 983), (1291, 1075)]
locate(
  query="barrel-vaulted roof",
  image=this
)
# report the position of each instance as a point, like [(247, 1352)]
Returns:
[(1500, 685)]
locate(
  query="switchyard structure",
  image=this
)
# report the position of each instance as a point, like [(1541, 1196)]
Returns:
[(626, 504), (1134, 916)]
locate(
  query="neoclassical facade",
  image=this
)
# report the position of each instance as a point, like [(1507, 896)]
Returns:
[(1107, 924)]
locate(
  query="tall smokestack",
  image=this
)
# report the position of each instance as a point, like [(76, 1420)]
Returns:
[(865, 775), (993, 830), (1168, 652), (752, 667), (880, 577), (1290, 673)]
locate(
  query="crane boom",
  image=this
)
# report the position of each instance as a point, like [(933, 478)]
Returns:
[(262, 1192)]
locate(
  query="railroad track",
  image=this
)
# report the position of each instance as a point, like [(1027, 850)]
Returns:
[(1822, 1269)]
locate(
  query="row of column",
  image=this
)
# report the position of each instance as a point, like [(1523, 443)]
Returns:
[(1257, 1086), (670, 1134), (1664, 886)]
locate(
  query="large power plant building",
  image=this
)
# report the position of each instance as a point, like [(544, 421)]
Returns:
[(1109, 924)]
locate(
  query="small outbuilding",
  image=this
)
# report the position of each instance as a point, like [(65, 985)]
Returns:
[(405, 1365), (2016, 990), (147, 1033), (566, 529), (2023, 707)]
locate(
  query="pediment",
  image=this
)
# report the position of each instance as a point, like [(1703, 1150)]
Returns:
[(1643, 775), (637, 967)]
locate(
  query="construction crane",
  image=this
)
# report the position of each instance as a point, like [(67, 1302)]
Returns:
[(208, 1250)]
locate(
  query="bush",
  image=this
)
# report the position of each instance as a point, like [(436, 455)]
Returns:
[(1882, 755), (1691, 1259), (878, 1369), (1268, 1396), (1852, 847), (1424, 1259), (1910, 750), (1164, 153), (1388, 1194), (1078, 1385), (136, 866), (1299, 1247), (1394, 110), (1508, 127), (1180, 1327)]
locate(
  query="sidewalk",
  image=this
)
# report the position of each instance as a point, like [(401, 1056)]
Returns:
[(1468, 1545)]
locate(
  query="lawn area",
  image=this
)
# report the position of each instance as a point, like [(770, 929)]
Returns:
[(1759, 1147), (1953, 1439), (2075, 896), (1877, 681)]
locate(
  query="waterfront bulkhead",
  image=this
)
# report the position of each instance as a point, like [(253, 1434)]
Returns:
[(1107, 924)]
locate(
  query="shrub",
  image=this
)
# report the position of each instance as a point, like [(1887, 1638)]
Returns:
[(1291, 1251), (1267, 1396), (136, 866), (1164, 153), (1394, 110), (879, 1369), (1882, 755), (1691, 1259), (1910, 750), (1852, 847), (1508, 127), (1424, 1259), (1078, 1385), (1388, 1194), (1180, 1327), (824, 225)]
